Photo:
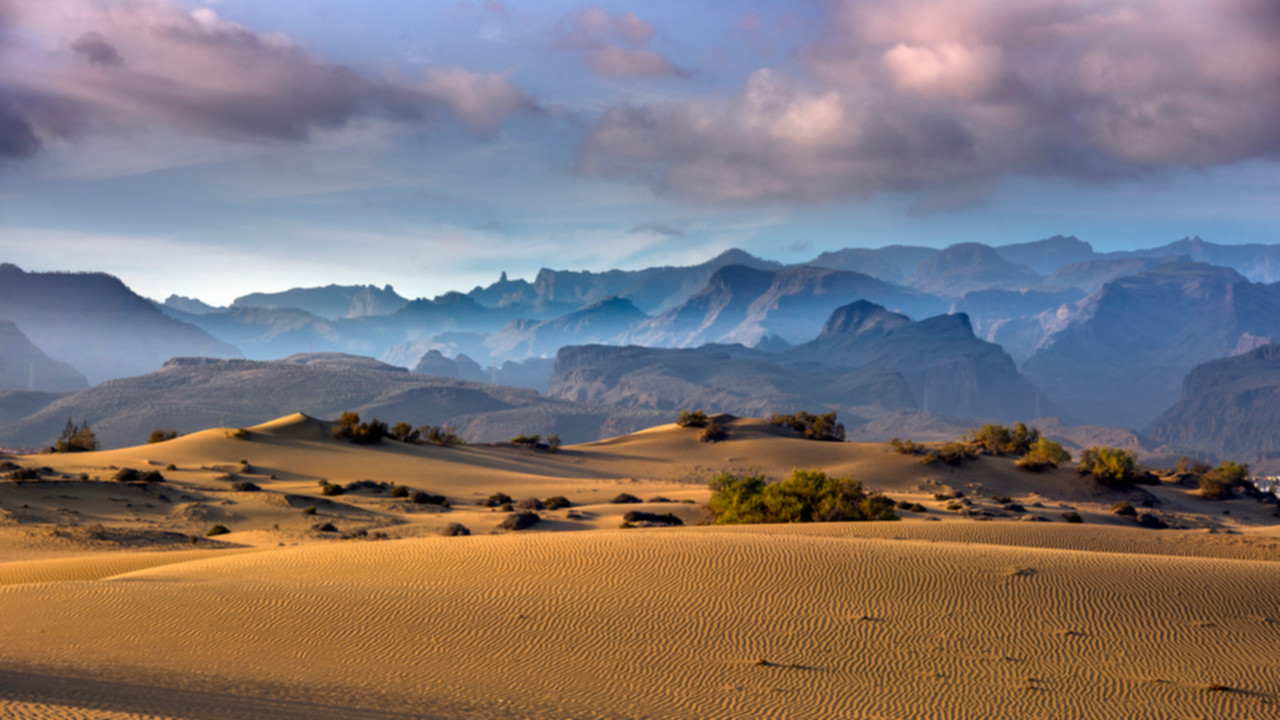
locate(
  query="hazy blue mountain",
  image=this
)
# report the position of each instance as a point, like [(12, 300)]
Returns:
[(332, 302), (1046, 256), (97, 325), (1093, 274), (967, 267), (745, 305), (194, 306), (1119, 357), (23, 366), (1259, 263), (605, 322), (1229, 410), (893, 263), (989, 310)]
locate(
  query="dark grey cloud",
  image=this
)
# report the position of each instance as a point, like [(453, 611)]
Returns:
[(197, 72), (656, 228), (948, 99), (96, 50)]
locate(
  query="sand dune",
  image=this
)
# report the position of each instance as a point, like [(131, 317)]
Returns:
[(937, 616)]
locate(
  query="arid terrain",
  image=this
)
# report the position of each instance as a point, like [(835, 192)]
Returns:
[(115, 604)]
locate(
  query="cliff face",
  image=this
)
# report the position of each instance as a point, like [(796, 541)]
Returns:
[(1120, 356), (1230, 410)]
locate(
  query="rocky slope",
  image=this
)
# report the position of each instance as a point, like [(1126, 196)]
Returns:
[(23, 366)]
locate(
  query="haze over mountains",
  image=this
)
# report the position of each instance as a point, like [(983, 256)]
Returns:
[(886, 336)]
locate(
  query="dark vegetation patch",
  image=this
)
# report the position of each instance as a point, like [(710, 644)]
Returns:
[(454, 529), (624, 499), (520, 521), (640, 516), (813, 427), (692, 418), (805, 496)]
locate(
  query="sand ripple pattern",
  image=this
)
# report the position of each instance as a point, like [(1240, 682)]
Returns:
[(674, 624)]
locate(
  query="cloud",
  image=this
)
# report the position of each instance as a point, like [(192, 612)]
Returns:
[(948, 99), (656, 228), (148, 62), (614, 45)]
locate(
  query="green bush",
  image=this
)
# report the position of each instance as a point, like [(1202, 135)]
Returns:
[(713, 432), (404, 432), (497, 500), (553, 442), (995, 439), (217, 530), (952, 453), (695, 418), (238, 434), (160, 435), (399, 491), (1112, 467), (331, 489), (1188, 466), (1124, 509), (360, 433), (529, 441), (805, 496), (1044, 453), (437, 435), (1220, 482), (76, 439), (907, 447), (814, 427)]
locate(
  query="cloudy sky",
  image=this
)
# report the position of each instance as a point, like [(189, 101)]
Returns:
[(213, 148)]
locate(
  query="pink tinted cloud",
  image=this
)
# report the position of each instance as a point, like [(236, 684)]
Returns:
[(942, 97), (140, 62), (613, 45)]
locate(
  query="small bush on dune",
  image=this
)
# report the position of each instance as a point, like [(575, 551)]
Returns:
[(361, 433), (520, 521), (125, 475), (535, 442), (1072, 517), (22, 474), (814, 427), (436, 435), (1220, 482), (403, 432), (239, 434), (331, 489), (556, 502), (244, 486), (399, 491), (160, 435), (713, 432), (217, 530), (76, 439), (532, 503), (805, 496), (1112, 467), (309, 510), (454, 529), (1188, 466), (418, 497), (636, 516), (529, 441), (695, 418), (1124, 509), (1043, 454), (907, 447), (952, 453), (624, 498), (497, 499), (995, 439)]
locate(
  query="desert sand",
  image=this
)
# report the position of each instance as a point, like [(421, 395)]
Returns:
[(113, 604)]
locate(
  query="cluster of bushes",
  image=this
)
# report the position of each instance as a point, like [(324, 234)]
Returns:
[(993, 439), (694, 418), (238, 434), (535, 442), (805, 496), (360, 433), (1037, 452), (713, 432), (160, 435), (1113, 467), (908, 447), (639, 516), (520, 521), (131, 475), (1043, 454), (76, 439), (952, 453), (425, 435), (1221, 482), (814, 427)]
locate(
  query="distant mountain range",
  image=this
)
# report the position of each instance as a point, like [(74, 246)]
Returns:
[(24, 366)]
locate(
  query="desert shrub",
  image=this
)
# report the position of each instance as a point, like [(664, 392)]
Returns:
[(150, 476), (497, 499), (399, 491), (691, 418), (713, 432), (125, 475), (1189, 466), (454, 529), (814, 427), (995, 439), (437, 435), (403, 432), (636, 516), (309, 510), (624, 498), (160, 435), (1072, 517), (917, 508), (23, 474), (325, 527), (529, 441), (76, 439), (418, 497), (903, 505), (1124, 509), (532, 503), (1220, 482), (659, 499), (556, 502), (1042, 454), (217, 530), (805, 496), (553, 442), (1153, 521), (907, 447), (371, 485), (331, 489), (1112, 467), (238, 434), (244, 486), (171, 467), (361, 433), (955, 453), (520, 521)]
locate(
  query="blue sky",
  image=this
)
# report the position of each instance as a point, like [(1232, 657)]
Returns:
[(212, 149)]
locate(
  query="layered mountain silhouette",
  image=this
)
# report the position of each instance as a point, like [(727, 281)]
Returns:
[(1120, 355), (966, 267), (1229, 409), (97, 325), (195, 393), (332, 302), (23, 366)]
